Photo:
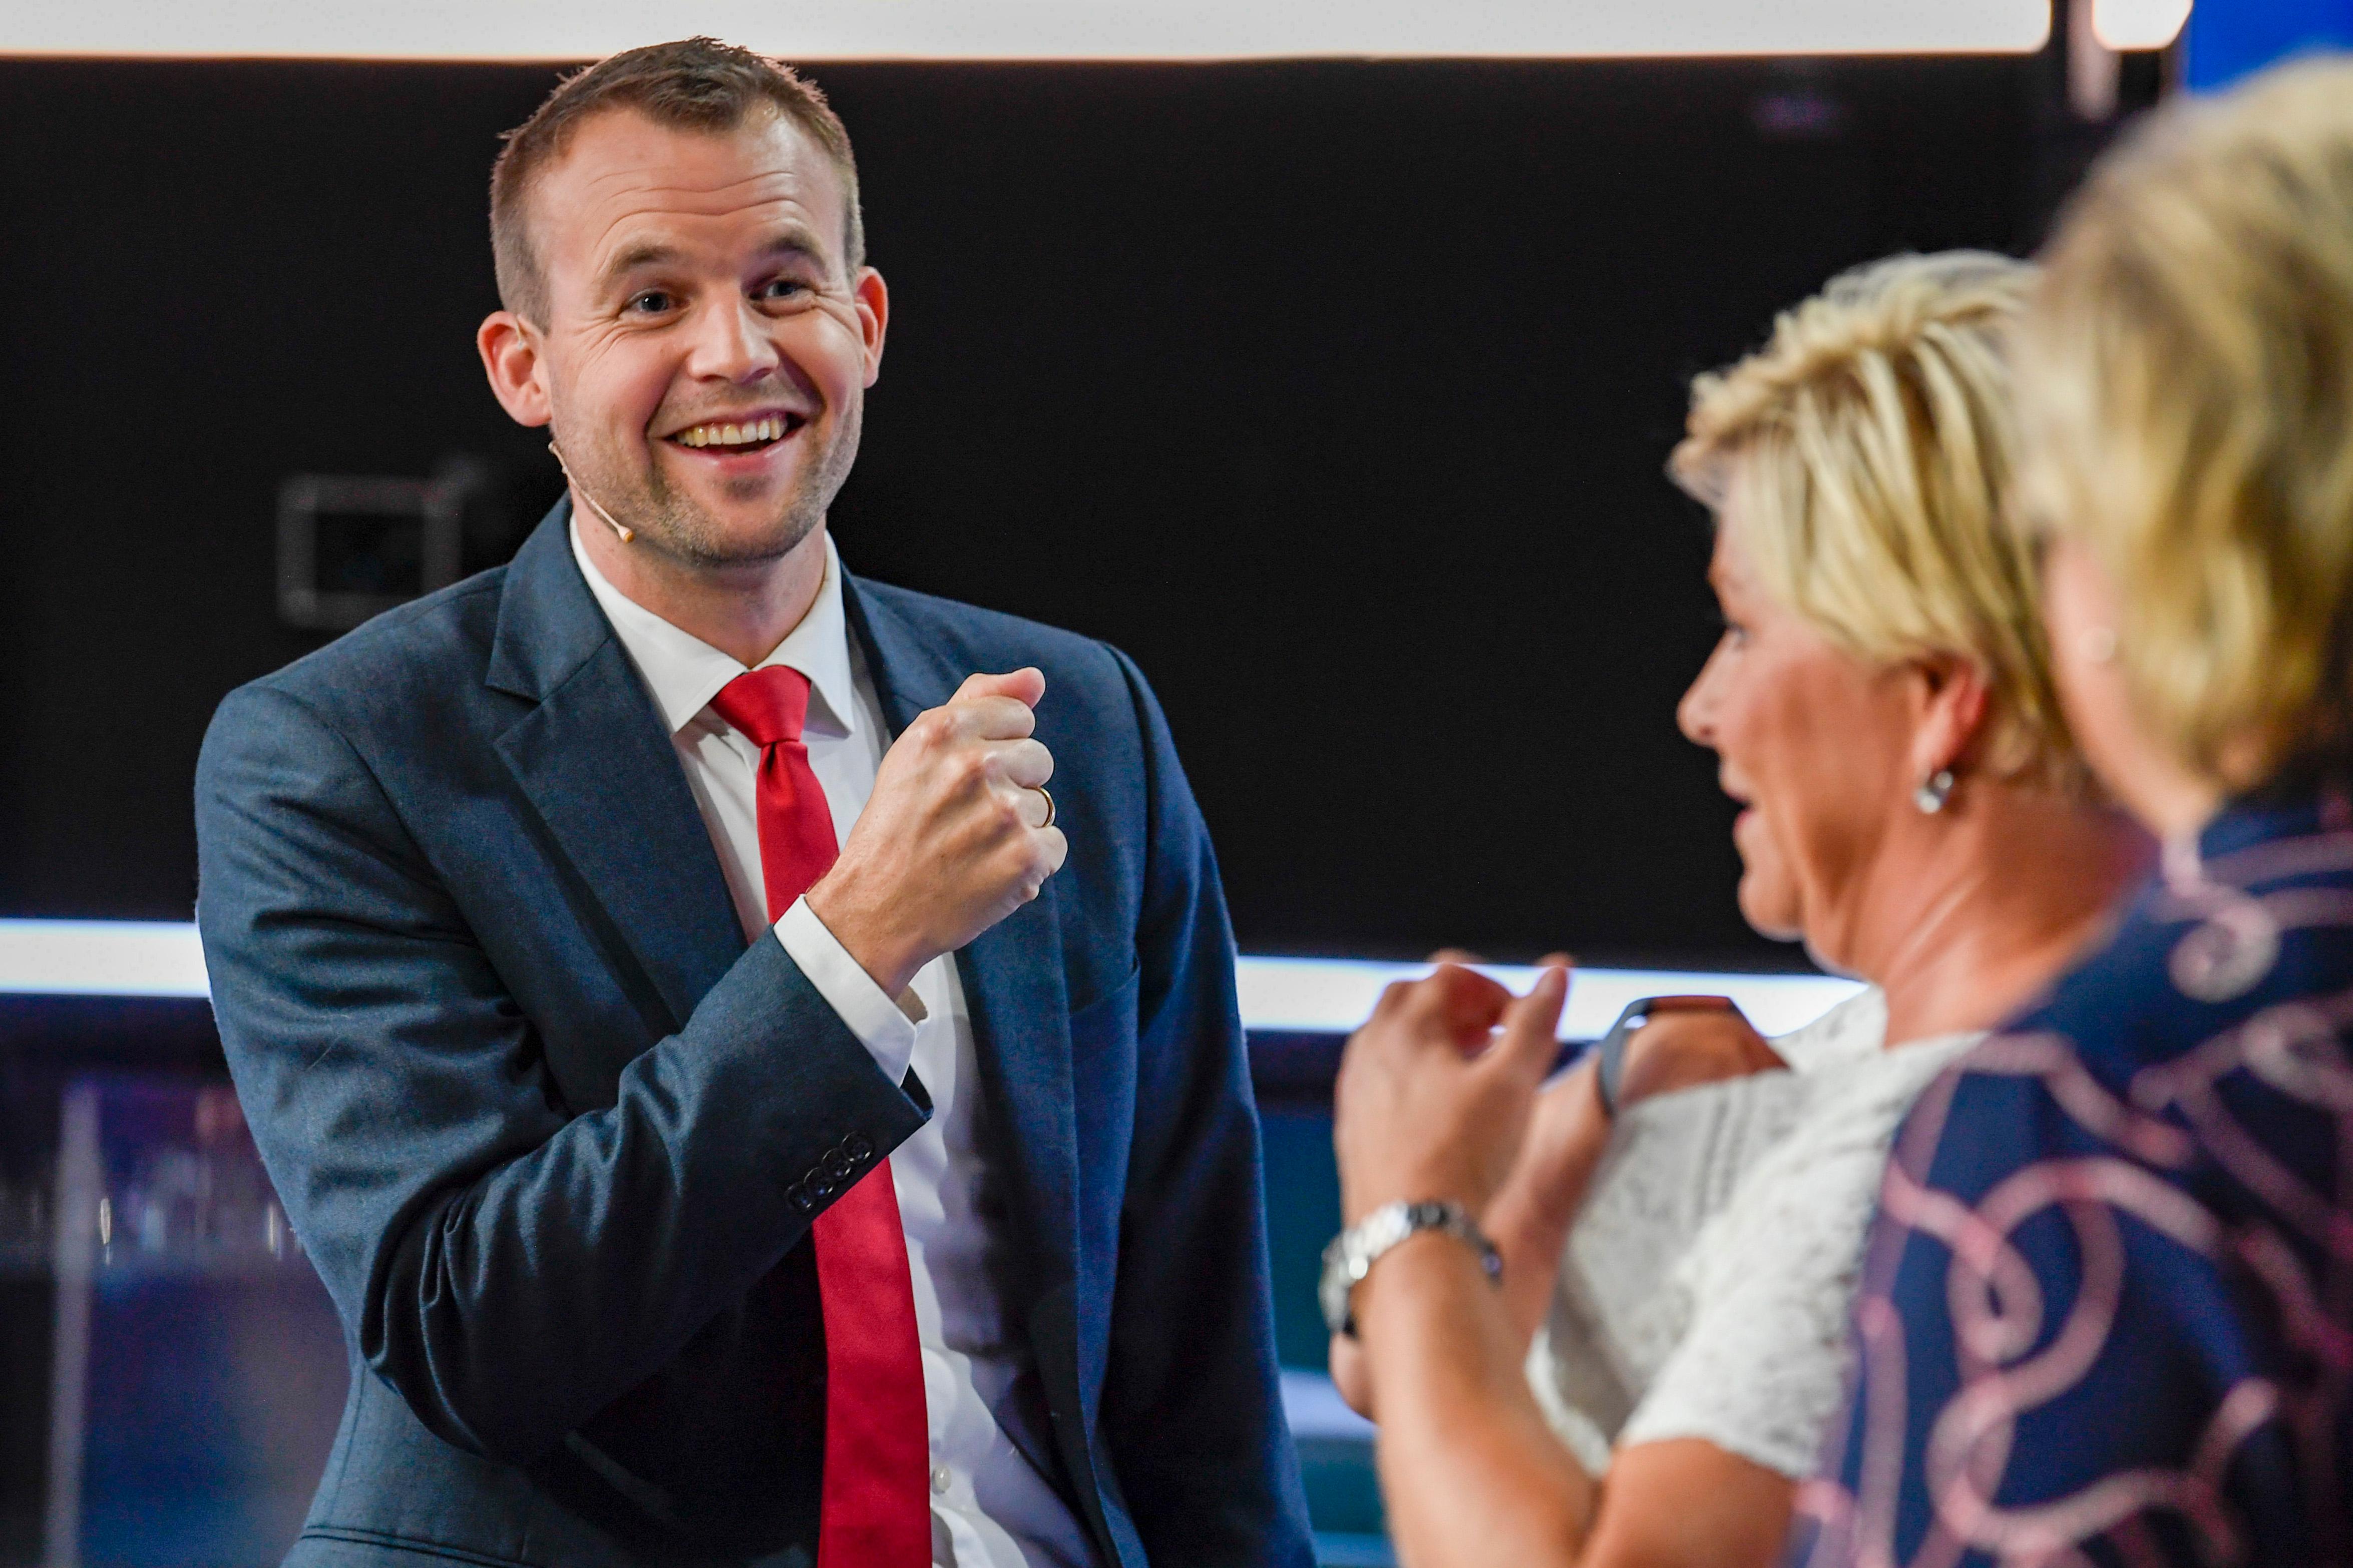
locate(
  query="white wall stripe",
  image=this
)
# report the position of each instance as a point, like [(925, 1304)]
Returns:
[(155, 958), (100, 958), (1335, 994)]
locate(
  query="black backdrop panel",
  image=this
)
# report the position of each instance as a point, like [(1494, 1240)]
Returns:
[(1336, 393)]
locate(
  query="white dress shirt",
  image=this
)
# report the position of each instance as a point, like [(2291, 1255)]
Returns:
[(990, 1507)]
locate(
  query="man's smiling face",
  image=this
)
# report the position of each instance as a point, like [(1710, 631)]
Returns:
[(707, 348)]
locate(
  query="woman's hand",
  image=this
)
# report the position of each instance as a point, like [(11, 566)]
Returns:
[(1683, 1050), (1481, 1002), (1435, 1090), (1530, 1217)]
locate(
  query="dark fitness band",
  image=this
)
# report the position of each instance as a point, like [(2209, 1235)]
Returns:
[(1610, 1054)]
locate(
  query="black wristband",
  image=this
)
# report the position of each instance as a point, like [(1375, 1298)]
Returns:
[(1609, 1055)]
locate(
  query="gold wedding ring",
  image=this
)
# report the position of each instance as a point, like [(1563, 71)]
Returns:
[(1049, 809)]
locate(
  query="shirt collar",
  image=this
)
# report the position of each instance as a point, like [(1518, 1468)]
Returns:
[(684, 672)]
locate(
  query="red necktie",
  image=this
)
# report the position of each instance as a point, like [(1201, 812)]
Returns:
[(875, 1510)]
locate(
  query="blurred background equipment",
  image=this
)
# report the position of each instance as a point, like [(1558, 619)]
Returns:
[(172, 1369), (352, 546)]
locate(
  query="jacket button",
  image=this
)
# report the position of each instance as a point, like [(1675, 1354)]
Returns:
[(858, 1146)]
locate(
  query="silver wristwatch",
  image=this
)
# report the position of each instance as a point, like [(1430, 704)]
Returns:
[(1354, 1250)]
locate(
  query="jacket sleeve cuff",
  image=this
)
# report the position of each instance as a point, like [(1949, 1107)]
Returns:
[(886, 1029)]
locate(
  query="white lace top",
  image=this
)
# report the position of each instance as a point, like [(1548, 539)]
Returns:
[(1705, 1286)]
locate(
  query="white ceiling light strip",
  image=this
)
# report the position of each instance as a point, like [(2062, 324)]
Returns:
[(100, 958), (2122, 25), (1323, 996), (1025, 29), (1335, 994)]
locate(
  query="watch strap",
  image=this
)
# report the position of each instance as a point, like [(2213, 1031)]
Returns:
[(1610, 1056), (1353, 1252), (1609, 1053)]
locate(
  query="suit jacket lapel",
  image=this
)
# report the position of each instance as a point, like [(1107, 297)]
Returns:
[(1012, 977), (597, 761)]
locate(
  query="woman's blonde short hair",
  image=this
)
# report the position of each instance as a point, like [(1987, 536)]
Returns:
[(1869, 447), (2187, 383)]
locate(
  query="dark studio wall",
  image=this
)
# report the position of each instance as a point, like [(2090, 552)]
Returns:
[(1336, 393)]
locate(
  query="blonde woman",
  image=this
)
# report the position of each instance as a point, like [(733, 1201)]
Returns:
[(2110, 1316), (1881, 705)]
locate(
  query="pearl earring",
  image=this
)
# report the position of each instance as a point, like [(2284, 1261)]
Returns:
[(1934, 791)]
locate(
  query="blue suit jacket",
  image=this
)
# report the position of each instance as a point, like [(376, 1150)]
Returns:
[(553, 1134)]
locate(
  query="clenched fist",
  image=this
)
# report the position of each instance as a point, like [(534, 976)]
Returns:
[(954, 838)]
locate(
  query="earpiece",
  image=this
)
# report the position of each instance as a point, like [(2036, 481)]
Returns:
[(610, 522)]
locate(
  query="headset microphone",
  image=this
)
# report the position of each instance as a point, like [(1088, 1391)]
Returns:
[(612, 522)]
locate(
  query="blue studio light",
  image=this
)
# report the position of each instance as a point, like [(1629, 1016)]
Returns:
[(2228, 39)]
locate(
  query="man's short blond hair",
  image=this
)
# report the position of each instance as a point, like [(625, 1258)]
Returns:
[(693, 84), (2187, 380), (1869, 447)]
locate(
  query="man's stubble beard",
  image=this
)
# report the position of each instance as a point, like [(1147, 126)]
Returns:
[(671, 524)]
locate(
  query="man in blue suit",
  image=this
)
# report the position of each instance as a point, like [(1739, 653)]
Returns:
[(740, 1114)]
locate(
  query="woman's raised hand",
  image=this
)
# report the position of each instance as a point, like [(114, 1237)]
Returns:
[(1434, 1091)]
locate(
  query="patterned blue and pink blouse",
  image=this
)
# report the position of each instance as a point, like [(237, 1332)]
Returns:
[(2106, 1314)]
